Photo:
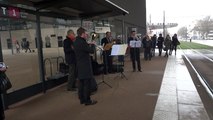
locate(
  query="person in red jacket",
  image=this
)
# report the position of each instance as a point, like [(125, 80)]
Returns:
[(70, 59)]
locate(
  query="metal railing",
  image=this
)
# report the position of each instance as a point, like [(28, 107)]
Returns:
[(50, 63), (49, 60)]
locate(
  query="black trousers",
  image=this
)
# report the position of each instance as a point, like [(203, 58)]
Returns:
[(84, 90), (160, 50), (147, 53), (107, 60), (1, 110), (135, 57)]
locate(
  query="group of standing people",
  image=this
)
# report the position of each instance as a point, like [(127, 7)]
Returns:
[(77, 55), (168, 44)]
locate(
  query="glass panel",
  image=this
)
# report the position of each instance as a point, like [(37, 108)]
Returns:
[(19, 52), (52, 38)]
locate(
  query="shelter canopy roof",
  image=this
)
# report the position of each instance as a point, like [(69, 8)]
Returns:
[(72, 9)]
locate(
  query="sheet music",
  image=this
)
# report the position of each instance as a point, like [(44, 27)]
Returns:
[(138, 44), (119, 49), (135, 44)]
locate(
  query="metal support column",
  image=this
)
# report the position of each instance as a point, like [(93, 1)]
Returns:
[(9, 29), (164, 32), (123, 34), (40, 52), (1, 54), (82, 22)]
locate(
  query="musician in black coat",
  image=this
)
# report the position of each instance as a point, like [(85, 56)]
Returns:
[(84, 67), (107, 59), (134, 52)]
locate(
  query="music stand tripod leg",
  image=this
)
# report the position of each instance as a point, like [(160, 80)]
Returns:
[(118, 68), (104, 82), (106, 72), (124, 75)]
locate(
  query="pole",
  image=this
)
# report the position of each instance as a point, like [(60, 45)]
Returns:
[(122, 34), (164, 24), (1, 54), (9, 29), (40, 52)]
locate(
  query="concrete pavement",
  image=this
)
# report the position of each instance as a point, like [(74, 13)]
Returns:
[(164, 90)]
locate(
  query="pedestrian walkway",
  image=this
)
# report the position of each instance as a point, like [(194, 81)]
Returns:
[(132, 99), (163, 81), (178, 98)]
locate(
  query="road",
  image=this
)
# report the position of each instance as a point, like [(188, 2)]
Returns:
[(205, 42)]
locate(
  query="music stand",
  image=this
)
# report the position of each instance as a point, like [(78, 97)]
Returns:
[(105, 58), (135, 44), (119, 50)]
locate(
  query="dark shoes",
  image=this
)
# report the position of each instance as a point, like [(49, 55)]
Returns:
[(139, 70), (81, 102), (92, 102)]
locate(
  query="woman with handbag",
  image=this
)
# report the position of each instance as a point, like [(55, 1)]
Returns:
[(175, 42), (167, 44)]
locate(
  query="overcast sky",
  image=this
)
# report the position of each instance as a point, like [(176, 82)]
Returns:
[(182, 12)]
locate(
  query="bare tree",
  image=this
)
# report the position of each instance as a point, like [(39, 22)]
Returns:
[(183, 32), (204, 26)]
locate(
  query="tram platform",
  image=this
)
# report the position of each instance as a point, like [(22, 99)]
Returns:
[(163, 90)]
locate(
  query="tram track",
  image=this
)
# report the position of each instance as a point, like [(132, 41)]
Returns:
[(204, 78)]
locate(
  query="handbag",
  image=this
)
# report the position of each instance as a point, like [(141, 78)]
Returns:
[(5, 83), (178, 43), (164, 48)]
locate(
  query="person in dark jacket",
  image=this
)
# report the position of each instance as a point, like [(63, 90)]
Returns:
[(154, 41), (70, 59), (167, 43), (134, 52), (107, 59), (84, 67), (148, 45), (175, 42), (160, 44)]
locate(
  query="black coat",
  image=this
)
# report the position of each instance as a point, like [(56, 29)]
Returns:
[(82, 51), (154, 41), (174, 41), (104, 41), (160, 42), (69, 51)]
